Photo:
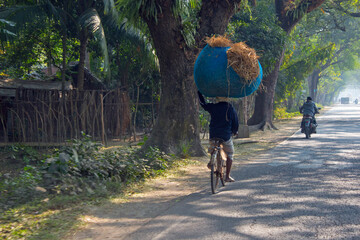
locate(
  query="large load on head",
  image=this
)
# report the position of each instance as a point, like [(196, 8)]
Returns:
[(224, 69)]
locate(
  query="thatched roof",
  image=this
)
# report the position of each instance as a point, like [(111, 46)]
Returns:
[(91, 82), (9, 86)]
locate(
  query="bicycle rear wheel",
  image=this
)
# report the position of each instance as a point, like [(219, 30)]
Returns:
[(222, 170)]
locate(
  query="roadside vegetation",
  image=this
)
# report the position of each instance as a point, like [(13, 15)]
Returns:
[(43, 197)]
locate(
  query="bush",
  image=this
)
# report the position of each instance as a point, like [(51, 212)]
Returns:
[(26, 154), (80, 168), (281, 113)]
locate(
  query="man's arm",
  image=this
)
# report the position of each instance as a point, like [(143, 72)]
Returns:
[(202, 102), (235, 123), (316, 109)]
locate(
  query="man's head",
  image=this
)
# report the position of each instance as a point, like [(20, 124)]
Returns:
[(308, 99)]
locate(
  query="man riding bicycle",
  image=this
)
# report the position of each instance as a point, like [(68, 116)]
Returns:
[(223, 124)]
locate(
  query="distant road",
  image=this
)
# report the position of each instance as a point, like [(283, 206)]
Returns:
[(302, 189)]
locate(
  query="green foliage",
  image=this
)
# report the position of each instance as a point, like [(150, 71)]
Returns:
[(25, 154), (148, 10), (325, 45), (204, 120), (294, 70), (82, 167), (5, 33), (141, 143), (297, 9), (188, 11), (259, 30), (34, 47), (134, 9), (282, 113), (184, 149), (132, 58)]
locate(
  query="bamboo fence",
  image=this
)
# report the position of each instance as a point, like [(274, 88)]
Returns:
[(55, 116)]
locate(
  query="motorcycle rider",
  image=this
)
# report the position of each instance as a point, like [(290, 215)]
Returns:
[(309, 107)]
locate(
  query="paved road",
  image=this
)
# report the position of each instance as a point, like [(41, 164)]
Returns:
[(302, 189)]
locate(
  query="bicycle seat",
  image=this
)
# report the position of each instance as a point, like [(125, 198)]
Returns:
[(217, 141)]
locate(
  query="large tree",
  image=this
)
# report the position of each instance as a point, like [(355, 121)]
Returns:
[(289, 13), (177, 127)]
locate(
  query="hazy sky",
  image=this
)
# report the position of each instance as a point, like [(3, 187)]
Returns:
[(352, 92)]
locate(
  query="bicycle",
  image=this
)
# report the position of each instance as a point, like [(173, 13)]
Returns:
[(217, 163)]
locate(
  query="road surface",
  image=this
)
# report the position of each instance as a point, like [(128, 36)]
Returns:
[(302, 189)]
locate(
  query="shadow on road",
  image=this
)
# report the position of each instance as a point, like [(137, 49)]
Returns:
[(302, 189)]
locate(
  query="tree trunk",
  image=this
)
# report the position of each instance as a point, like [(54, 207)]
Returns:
[(63, 69), (81, 67), (125, 114), (136, 109), (264, 101), (242, 106), (177, 124), (290, 102), (87, 60), (177, 127), (331, 98), (313, 81)]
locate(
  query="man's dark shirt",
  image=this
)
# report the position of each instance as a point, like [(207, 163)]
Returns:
[(224, 120)]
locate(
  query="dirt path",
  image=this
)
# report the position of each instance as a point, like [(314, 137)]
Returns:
[(119, 217)]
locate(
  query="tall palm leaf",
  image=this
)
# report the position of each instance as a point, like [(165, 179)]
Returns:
[(5, 33), (91, 21), (126, 32)]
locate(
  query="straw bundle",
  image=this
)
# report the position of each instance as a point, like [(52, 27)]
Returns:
[(219, 41), (225, 69), (244, 61)]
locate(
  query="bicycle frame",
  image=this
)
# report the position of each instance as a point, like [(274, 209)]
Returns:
[(218, 147), (217, 163)]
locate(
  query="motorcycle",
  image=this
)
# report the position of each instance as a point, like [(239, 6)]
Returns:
[(307, 125)]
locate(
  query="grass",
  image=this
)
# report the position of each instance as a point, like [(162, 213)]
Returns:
[(44, 219)]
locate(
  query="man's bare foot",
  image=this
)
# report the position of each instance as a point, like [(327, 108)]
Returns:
[(229, 179)]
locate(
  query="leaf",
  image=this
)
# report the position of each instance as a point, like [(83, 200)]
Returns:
[(75, 156), (64, 157)]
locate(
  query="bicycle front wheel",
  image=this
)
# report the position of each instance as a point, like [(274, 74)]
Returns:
[(214, 176)]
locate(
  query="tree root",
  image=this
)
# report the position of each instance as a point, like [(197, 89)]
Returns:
[(269, 126), (264, 125)]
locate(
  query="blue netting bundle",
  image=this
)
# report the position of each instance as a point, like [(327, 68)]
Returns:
[(214, 78)]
